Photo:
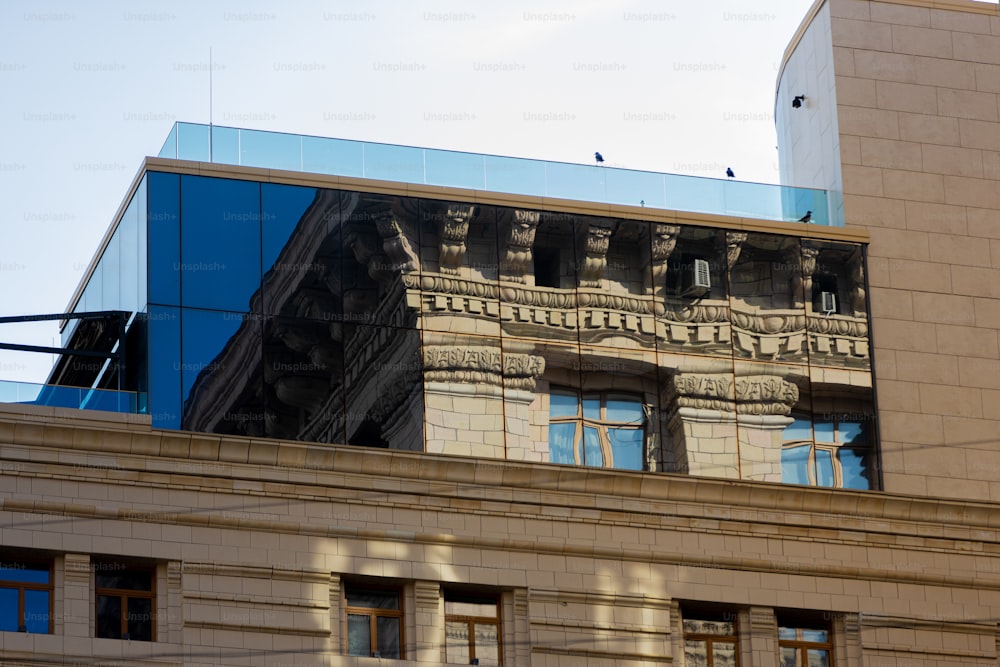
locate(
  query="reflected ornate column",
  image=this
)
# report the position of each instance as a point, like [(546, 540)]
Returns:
[(396, 243), (804, 262), (663, 240), (858, 304), (454, 230), (517, 260), (734, 245), (596, 239), (729, 427)]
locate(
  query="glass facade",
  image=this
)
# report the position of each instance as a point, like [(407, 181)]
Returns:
[(340, 316)]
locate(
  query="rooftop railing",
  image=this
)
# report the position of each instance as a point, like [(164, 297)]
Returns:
[(494, 173), (77, 398)]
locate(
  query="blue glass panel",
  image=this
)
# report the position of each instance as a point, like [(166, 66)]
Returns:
[(458, 170), (36, 611), (690, 193), (795, 464), (798, 201), (270, 149), (515, 175), (215, 361), (853, 468), (169, 148), (564, 404), (574, 181), (394, 163), (561, 437), (815, 635), (164, 238), (592, 406), (25, 572), (800, 429), (635, 188), (852, 433), (333, 156), (128, 256), (220, 242), (111, 273), (225, 145), (824, 430), (142, 252), (627, 448), (8, 610), (592, 454), (818, 657), (93, 293), (624, 410), (164, 366), (753, 200), (192, 142), (824, 468)]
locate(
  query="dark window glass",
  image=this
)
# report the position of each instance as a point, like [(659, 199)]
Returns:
[(25, 595), (164, 369), (126, 601), (164, 238), (374, 623), (133, 580), (36, 611), (9, 612), (220, 243), (109, 616), (140, 619)]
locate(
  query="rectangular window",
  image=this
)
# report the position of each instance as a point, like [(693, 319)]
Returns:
[(710, 640), (126, 600), (833, 451), (597, 429), (804, 646), (25, 595), (472, 630), (374, 623)]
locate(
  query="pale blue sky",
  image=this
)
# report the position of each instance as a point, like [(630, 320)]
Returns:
[(88, 89)]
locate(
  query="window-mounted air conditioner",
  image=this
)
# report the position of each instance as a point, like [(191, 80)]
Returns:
[(699, 281), (828, 302)]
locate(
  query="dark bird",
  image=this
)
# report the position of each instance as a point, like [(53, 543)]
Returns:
[(599, 158), (642, 202), (807, 217), (729, 172)]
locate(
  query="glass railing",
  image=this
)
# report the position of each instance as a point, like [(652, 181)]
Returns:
[(77, 398), (493, 173)]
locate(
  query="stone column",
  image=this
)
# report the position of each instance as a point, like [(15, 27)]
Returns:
[(78, 604), (758, 637), (428, 623), (336, 617)]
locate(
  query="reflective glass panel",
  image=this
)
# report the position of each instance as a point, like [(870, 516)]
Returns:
[(800, 429), (272, 150), (561, 442), (790, 657), (563, 404), (487, 644), (515, 175), (795, 465), (169, 148), (824, 430), (109, 616), (192, 142), (818, 658), (394, 163), (592, 455), (690, 193), (8, 609), (458, 170), (723, 654), (373, 599), (696, 653), (26, 572), (457, 642), (624, 410), (225, 145), (574, 181), (787, 633), (333, 156), (852, 433), (592, 406), (128, 257), (853, 468), (111, 270), (359, 634), (754, 200), (115, 575), (140, 619), (627, 448), (142, 243), (634, 188), (220, 253), (815, 635), (388, 637), (164, 366), (824, 468), (164, 238)]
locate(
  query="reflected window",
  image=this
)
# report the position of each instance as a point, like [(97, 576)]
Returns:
[(599, 429), (710, 640), (472, 630), (25, 595), (831, 451), (126, 600), (804, 646), (374, 623)]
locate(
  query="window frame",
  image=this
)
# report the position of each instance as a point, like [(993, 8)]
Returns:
[(803, 646), (711, 638), (866, 452), (472, 620), (22, 586), (124, 594), (601, 424), (373, 614)]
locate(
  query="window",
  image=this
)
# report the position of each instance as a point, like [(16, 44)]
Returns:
[(126, 599), (602, 430), (833, 451), (804, 647), (472, 630), (710, 641), (374, 623), (25, 595)]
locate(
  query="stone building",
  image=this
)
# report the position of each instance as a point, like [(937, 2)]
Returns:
[(370, 404)]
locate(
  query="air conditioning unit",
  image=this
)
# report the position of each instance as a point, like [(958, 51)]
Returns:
[(699, 280), (828, 302)]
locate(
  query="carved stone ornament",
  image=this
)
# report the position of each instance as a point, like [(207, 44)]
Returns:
[(481, 365), (749, 395), (663, 240), (596, 241), (454, 229), (396, 243), (517, 260)]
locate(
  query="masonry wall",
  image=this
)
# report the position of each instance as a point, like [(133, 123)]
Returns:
[(917, 86), (255, 541)]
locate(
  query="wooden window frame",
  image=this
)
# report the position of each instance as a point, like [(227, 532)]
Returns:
[(22, 586), (711, 638), (472, 620), (374, 613), (124, 594), (802, 646)]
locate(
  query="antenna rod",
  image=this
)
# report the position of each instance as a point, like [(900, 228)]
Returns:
[(210, 68)]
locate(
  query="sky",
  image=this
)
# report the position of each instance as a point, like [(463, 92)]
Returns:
[(89, 89)]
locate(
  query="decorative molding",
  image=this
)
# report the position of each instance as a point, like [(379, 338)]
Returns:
[(427, 593), (454, 229), (396, 243), (518, 258), (663, 240), (481, 365), (734, 245), (748, 395), (595, 240)]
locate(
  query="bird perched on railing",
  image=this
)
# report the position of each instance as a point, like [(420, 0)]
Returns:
[(599, 158), (729, 172), (807, 217)]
